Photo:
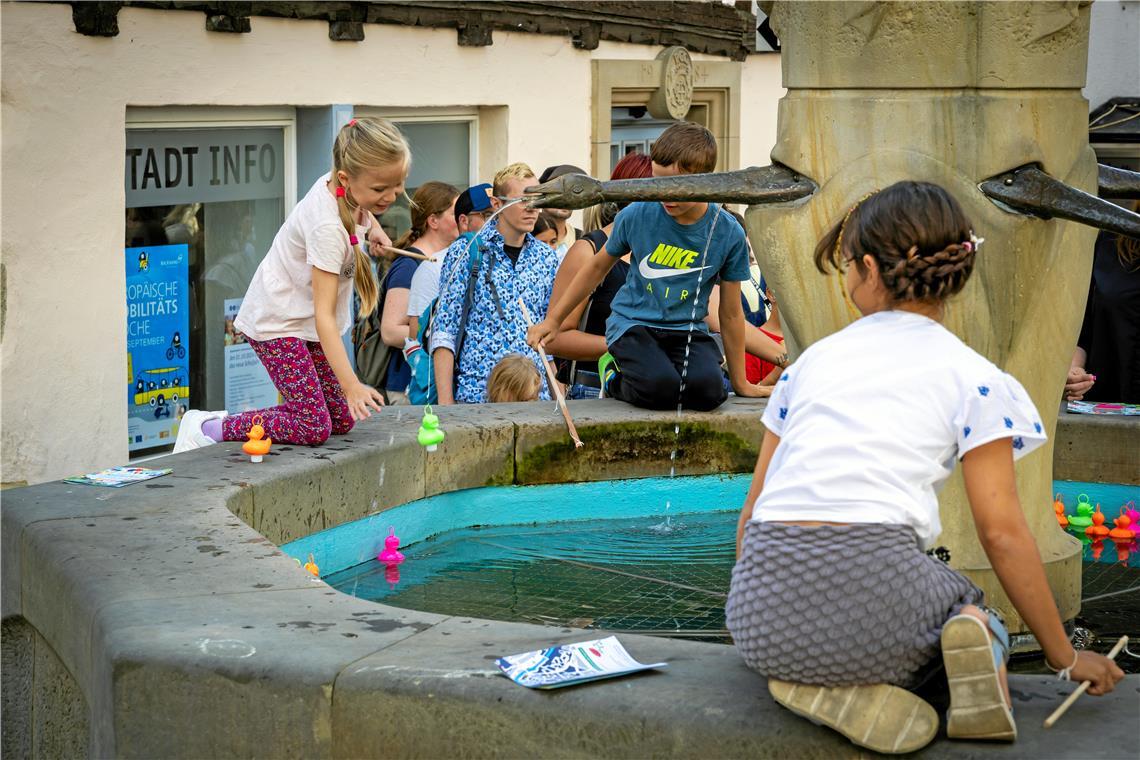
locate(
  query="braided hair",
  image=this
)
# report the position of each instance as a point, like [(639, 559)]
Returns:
[(918, 234), (364, 143)]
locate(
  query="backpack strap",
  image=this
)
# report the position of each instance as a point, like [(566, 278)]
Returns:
[(474, 260)]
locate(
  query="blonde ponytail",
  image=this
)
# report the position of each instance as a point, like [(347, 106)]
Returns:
[(364, 143)]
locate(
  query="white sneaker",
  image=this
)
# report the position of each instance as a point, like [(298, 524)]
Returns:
[(190, 435)]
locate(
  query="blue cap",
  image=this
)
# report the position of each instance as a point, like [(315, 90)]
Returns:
[(474, 198)]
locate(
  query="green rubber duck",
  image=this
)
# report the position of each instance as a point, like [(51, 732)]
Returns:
[(430, 436), (1083, 518)]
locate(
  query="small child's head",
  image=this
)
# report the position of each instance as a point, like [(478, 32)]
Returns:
[(908, 242), (514, 378), (683, 148), (371, 159), (545, 230)]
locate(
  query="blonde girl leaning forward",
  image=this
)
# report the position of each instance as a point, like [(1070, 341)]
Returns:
[(832, 597), (299, 302)]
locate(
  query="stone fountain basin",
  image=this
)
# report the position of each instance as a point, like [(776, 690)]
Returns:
[(161, 619)]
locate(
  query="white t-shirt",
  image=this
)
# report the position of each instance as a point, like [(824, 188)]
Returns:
[(425, 285), (872, 419), (279, 301)]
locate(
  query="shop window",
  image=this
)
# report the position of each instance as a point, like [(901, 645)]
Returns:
[(443, 151), (203, 206)]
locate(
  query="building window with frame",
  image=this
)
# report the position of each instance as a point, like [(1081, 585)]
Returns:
[(202, 207), (443, 150)]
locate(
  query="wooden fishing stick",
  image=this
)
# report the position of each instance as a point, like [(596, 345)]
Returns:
[(552, 382), (402, 252), (1082, 688)]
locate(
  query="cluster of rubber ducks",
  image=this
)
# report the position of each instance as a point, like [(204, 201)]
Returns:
[(1089, 524)]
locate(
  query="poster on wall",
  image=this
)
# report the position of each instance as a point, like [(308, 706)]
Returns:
[(158, 349), (247, 383)]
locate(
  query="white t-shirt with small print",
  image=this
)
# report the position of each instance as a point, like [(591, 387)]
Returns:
[(873, 418), (279, 301)]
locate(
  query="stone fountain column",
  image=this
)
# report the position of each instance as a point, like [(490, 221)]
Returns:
[(952, 93)]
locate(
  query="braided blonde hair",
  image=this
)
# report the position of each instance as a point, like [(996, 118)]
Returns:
[(362, 144)]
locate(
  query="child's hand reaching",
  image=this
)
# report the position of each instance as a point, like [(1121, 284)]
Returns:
[(377, 238), (542, 333), (361, 398)]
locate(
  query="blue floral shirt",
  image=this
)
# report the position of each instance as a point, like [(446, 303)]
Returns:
[(489, 337)]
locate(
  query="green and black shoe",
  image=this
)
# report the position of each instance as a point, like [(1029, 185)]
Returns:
[(607, 368)]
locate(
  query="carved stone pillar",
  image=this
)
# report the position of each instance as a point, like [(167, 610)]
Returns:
[(952, 93)]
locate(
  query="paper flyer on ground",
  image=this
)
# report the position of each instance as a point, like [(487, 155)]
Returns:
[(568, 664), (117, 477)]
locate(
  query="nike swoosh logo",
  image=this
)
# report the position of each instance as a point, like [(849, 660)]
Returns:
[(655, 274)]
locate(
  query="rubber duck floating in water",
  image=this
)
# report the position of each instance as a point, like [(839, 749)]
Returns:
[(1123, 529), (1059, 508), (1129, 509), (1097, 529), (390, 555), (258, 445), (1083, 517)]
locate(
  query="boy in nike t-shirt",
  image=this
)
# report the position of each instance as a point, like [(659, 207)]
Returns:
[(678, 252)]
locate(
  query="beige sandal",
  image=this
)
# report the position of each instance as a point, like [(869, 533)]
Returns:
[(880, 717), (977, 703)]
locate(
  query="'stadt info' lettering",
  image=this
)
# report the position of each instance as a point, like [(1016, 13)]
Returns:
[(151, 168)]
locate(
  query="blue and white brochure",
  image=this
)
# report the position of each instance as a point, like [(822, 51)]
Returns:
[(568, 664)]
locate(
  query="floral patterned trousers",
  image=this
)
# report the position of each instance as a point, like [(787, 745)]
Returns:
[(314, 404)]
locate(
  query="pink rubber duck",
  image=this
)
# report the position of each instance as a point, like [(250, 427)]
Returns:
[(390, 555), (1129, 510)]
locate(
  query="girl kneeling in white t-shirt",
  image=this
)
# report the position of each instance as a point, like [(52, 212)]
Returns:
[(832, 596), (299, 302)]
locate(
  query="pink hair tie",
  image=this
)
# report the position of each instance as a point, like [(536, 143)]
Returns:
[(968, 246), (353, 239), (339, 192), (352, 122)]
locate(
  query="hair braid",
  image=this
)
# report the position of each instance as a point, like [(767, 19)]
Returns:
[(933, 276), (918, 235), (364, 143)]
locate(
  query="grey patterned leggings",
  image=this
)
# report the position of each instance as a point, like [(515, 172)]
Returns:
[(841, 605)]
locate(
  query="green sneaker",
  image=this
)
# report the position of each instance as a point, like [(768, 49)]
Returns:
[(607, 368)]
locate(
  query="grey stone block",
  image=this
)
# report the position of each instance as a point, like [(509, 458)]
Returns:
[(73, 568), (17, 655), (474, 453), (1097, 449), (439, 694), (59, 712), (236, 675)]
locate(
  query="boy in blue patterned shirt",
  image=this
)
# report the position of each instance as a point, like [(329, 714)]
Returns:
[(513, 265), (678, 252)]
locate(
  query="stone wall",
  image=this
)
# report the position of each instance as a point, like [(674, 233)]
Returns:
[(150, 622)]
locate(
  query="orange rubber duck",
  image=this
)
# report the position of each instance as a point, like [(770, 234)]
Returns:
[(258, 445), (1097, 529), (1122, 531), (312, 567), (1059, 508)]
